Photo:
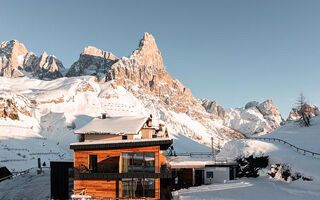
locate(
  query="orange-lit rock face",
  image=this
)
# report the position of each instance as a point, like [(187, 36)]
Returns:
[(148, 52), (13, 52), (144, 68), (10, 107), (14, 57)]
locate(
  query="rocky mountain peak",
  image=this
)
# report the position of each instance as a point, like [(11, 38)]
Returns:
[(213, 107), (148, 53), (313, 110), (44, 54), (144, 68), (43, 59), (15, 61), (92, 61), (12, 47), (93, 51), (11, 58)]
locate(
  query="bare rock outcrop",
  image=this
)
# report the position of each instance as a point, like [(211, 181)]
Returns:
[(144, 68), (267, 108), (214, 108), (251, 104), (92, 61), (16, 61), (11, 58), (12, 105), (313, 110)]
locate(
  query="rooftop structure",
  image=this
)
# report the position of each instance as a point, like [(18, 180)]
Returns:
[(121, 157), (114, 125)]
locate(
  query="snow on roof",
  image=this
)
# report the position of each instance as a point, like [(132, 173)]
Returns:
[(198, 161), (114, 125), (120, 141)]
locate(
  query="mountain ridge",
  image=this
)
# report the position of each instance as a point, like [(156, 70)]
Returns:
[(144, 76)]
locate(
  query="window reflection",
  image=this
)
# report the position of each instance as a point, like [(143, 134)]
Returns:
[(149, 162), (138, 162), (137, 165), (135, 188)]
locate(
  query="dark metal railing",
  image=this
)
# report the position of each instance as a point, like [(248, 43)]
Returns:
[(86, 173), (297, 149), (190, 154)]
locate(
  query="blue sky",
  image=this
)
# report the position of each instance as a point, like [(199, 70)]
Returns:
[(230, 51)]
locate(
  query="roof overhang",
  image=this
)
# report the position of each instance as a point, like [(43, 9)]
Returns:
[(164, 144)]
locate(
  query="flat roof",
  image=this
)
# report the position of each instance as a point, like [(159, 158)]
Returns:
[(164, 144), (199, 162), (114, 125)]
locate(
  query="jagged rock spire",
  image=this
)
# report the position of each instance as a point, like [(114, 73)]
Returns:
[(148, 52), (15, 60)]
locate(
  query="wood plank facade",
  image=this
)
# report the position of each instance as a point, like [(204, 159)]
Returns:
[(110, 161)]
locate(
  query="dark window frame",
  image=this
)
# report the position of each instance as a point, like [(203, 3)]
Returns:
[(209, 174), (93, 162), (124, 137), (143, 181), (144, 165)]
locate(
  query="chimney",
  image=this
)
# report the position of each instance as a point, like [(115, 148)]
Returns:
[(103, 115), (149, 122)]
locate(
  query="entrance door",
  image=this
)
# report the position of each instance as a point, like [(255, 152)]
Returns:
[(199, 177), (231, 174)]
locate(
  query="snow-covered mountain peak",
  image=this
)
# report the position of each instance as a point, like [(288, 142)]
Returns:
[(254, 118)]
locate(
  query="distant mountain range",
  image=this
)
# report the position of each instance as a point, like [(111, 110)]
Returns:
[(142, 76)]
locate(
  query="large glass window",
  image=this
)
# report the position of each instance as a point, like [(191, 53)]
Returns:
[(138, 162), (126, 162), (137, 188), (149, 187), (126, 188), (137, 165), (149, 162)]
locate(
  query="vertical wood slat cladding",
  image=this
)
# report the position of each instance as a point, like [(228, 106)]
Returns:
[(105, 158), (97, 188)]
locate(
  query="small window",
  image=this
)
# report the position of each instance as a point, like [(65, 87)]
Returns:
[(93, 164), (124, 137), (209, 174), (81, 138)]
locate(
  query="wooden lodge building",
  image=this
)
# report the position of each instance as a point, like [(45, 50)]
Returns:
[(120, 158)]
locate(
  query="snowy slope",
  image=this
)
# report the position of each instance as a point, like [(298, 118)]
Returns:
[(304, 137), (52, 110), (49, 112), (264, 187)]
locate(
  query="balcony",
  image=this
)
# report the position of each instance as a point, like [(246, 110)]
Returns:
[(87, 174)]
